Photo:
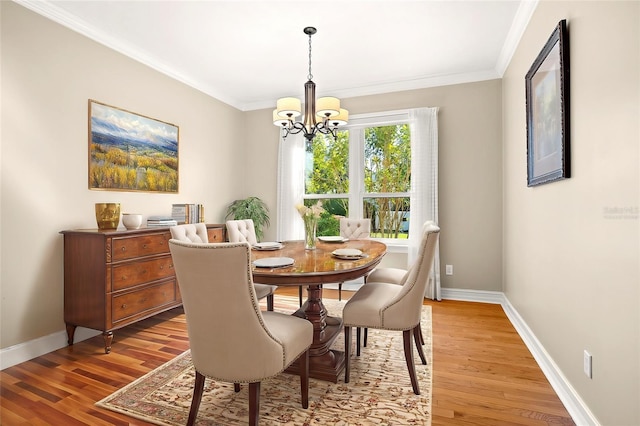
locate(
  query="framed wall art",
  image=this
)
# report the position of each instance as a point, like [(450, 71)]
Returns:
[(131, 152), (547, 104)]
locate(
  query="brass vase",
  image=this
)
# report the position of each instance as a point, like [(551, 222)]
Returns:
[(107, 216)]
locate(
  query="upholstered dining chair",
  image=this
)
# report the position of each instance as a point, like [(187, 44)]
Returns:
[(390, 306), (197, 233), (392, 276), (244, 230), (224, 337), (353, 229), (193, 232)]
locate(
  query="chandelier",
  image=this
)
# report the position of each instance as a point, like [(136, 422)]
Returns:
[(323, 116)]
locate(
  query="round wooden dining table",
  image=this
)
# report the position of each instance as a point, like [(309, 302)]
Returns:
[(312, 269)]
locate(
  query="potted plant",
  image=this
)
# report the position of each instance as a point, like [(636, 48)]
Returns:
[(250, 208)]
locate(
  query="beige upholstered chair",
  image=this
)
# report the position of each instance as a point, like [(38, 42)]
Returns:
[(197, 233), (226, 337), (193, 232), (353, 229), (239, 231), (394, 307), (392, 276), (242, 230)]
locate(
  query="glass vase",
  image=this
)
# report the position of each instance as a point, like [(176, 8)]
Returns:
[(310, 226)]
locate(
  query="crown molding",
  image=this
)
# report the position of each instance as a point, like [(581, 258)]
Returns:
[(519, 25), (395, 86)]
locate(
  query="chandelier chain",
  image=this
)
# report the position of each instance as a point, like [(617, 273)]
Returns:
[(310, 76)]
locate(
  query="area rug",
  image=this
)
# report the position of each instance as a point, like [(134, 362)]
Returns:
[(379, 391)]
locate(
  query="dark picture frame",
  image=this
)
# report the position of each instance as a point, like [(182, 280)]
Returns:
[(547, 104), (131, 152)]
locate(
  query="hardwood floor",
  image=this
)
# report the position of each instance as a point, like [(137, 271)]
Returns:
[(483, 372)]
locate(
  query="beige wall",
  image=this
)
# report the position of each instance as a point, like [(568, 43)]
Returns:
[(48, 74), (470, 170), (570, 270)]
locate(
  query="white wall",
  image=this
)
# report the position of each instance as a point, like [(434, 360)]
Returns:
[(570, 268), (48, 75)]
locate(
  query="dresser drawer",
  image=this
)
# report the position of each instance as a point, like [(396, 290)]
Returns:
[(216, 235), (140, 245), (147, 299), (130, 274)]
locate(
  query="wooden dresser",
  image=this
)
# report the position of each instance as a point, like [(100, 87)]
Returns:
[(115, 278)]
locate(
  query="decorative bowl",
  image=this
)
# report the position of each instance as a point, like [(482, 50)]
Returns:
[(131, 220)]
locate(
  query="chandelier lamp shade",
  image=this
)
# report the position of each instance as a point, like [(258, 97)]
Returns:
[(321, 116)]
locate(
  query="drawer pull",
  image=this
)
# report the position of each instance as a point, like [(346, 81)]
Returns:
[(124, 306), (144, 246), (161, 267), (123, 249)]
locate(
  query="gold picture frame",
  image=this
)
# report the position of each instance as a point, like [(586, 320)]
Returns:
[(131, 152)]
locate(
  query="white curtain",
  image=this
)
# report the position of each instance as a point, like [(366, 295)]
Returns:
[(290, 188), (424, 187)]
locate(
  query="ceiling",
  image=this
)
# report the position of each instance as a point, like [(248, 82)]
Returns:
[(249, 53)]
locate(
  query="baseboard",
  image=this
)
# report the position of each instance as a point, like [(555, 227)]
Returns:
[(43, 345), (495, 297), (576, 407)]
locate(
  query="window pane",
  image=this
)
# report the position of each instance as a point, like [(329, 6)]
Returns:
[(389, 216), (327, 165), (387, 158), (335, 208)]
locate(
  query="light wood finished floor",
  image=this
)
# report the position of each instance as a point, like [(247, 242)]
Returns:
[(483, 372)]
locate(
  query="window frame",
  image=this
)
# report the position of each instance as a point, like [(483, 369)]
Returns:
[(356, 193)]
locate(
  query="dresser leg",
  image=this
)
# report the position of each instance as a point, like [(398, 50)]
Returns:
[(71, 330), (108, 339)]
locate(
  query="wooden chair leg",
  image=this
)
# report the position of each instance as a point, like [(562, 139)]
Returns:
[(236, 387), (270, 302), (408, 356), (366, 333), (420, 334), (198, 389), (416, 337), (347, 353), (303, 367), (358, 340), (300, 295), (254, 403), (339, 291)]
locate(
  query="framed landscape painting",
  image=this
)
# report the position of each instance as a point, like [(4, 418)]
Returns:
[(131, 152), (547, 98)]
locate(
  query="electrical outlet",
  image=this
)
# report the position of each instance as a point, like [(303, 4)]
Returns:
[(448, 269), (587, 364)]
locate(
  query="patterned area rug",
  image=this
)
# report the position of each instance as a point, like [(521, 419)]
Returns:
[(379, 391)]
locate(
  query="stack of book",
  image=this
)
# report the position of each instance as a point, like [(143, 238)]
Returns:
[(187, 213), (160, 221)]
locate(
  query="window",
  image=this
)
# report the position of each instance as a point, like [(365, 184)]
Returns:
[(366, 172), (417, 205)]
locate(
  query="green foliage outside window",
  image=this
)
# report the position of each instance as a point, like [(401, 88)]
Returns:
[(387, 171)]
